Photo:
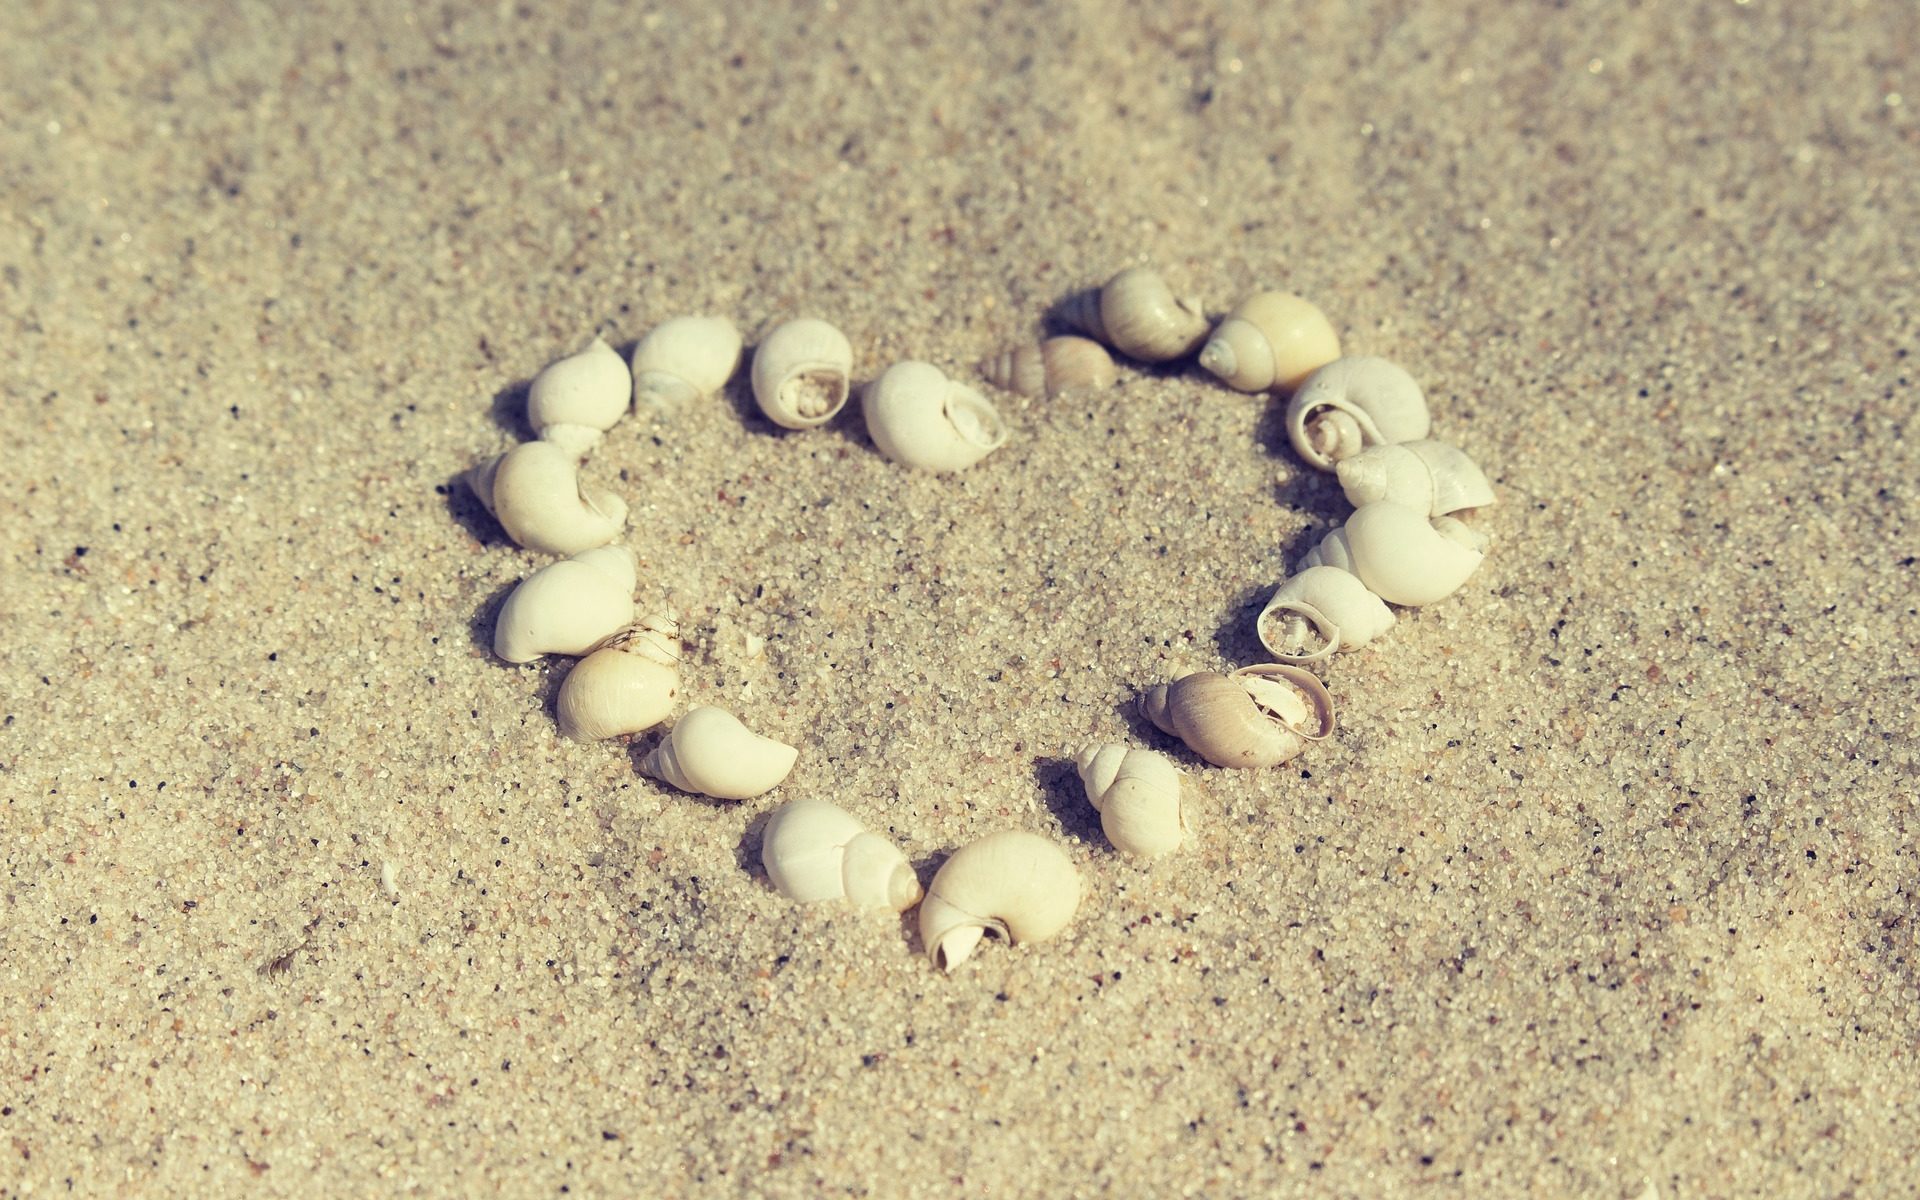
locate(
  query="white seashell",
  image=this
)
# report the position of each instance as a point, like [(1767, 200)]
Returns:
[(815, 851), (1427, 475), (1271, 340), (1259, 716), (1325, 600), (573, 401), (1406, 558), (627, 684), (1466, 535), (1137, 314), (1353, 403), (801, 372), (567, 607), (709, 751), (1332, 551), (683, 359), (1052, 368), (534, 491), (1138, 796), (920, 418), (1017, 885)]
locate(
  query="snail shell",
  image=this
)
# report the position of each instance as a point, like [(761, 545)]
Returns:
[(1430, 476), (683, 359), (1353, 403), (1052, 368), (1137, 314), (534, 491), (567, 607), (627, 684), (815, 851), (1017, 885), (1138, 796), (1400, 554), (1259, 716), (920, 418), (1325, 600), (710, 752), (801, 372), (573, 401), (1271, 340)]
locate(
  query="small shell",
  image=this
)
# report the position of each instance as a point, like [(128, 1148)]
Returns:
[(1138, 796), (534, 491), (1272, 340), (627, 684), (815, 851), (681, 360), (567, 607), (1256, 717), (709, 751), (920, 418), (801, 372), (1137, 314), (1353, 403), (1403, 556), (1430, 476), (1017, 885), (576, 399), (1324, 600), (1054, 367)]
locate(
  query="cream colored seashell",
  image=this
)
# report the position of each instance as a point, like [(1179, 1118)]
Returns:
[(922, 419), (1052, 368), (1017, 885), (1407, 558), (1271, 340), (709, 751), (1332, 551), (683, 359), (1259, 716), (801, 372), (1324, 601), (567, 607), (814, 851), (573, 401), (1139, 798), (534, 491), (1137, 314), (1427, 475), (1353, 403), (626, 684)]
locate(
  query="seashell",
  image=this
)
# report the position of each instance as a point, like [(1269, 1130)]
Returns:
[(1271, 340), (534, 491), (1138, 796), (1402, 555), (1017, 885), (920, 418), (1259, 716), (815, 851), (1137, 314), (626, 684), (1459, 531), (1331, 551), (800, 373), (1052, 368), (567, 607), (710, 752), (573, 401), (1353, 403), (683, 359), (1430, 476), (1325, 600)]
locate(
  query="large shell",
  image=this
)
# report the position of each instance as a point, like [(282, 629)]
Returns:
[(815, 851), (682, 360), (627, 684), (1138, 795), (801, 372), (1259, 716), (567, 607), (920, 418), (1326, 601), (1017, 885), (1430, 476), (1137, 314), (710, 752), (534, 491), (1054, 367), (576, 399), (1353, 403), (1406, 558), (1271, 340)]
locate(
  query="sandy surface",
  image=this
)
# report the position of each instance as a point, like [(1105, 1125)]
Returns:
[(1606, 880)]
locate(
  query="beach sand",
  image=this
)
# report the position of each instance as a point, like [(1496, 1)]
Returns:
[(1605, 881)]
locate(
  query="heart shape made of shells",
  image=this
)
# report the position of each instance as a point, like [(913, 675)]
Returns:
[(1363, 418)]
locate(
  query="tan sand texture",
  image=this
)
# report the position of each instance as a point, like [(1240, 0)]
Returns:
[(1606, 879)]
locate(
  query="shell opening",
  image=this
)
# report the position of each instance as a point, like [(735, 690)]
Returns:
[(974, 419), (1290, 695), (817, 393), (1287, 631)]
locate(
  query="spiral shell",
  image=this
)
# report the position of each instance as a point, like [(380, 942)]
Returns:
[(626, 684), (1017, 885), (682, 360), (567, 607), (1138, 796), (1400, 554), (1137, 314), (920, 418), (534, 491), (1259, 716), (815, 851), (573, 401), (1052, 368), (1272, 340), (1353, 403), (1426, 475), (710, 752), (801, 373), (1326, 601)]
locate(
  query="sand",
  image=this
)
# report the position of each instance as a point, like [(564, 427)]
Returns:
[(1605, 881)]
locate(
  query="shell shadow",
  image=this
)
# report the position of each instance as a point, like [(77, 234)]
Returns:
[(1238, 641), (746, 851), (1059, 781), (508, 410), (471, 515), (480, 624)]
